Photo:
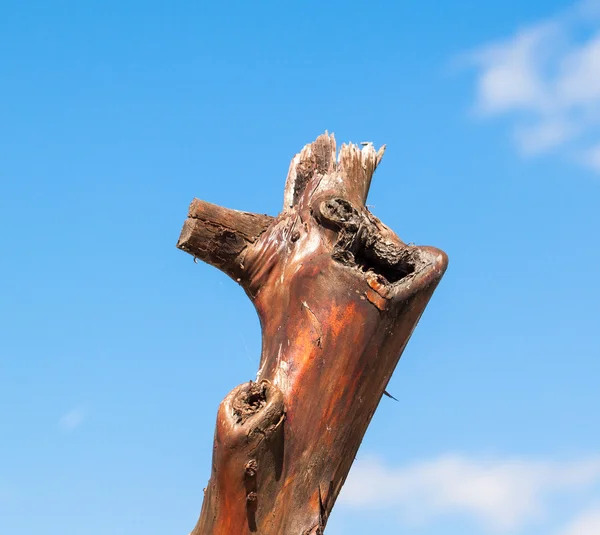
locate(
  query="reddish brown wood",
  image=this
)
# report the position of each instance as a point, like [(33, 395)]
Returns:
[(338, 295)]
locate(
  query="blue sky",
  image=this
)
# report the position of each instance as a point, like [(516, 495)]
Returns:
[(116, 349)]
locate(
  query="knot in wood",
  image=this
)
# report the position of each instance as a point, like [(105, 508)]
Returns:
[(251, 467), (249, 401), (339, 213)]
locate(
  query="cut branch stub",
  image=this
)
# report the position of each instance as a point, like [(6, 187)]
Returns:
[(248, 457), (338, 295), (219, 235)]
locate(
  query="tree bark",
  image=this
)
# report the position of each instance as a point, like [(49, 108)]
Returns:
[(338, 295)]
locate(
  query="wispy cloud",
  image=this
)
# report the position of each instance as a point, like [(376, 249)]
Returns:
[(72, 419), (546, 78), (587, 523), (502, 495)]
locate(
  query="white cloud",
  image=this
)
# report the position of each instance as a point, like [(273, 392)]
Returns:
[(587, 523), (500, 494), (510, 77), (546, 78), (592, 157), (72, 419), (542, 136)]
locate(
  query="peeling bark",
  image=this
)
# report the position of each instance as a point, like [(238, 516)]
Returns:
[(338, 295)]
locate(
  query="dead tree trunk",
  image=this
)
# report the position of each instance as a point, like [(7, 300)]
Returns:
[(338, 295)]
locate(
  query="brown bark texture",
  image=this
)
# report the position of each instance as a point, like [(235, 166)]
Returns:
[(338, 295)]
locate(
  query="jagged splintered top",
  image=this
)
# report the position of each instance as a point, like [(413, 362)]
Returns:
[(349, 175)]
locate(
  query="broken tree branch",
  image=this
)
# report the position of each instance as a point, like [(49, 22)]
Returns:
[(219, 236), (338, 295)]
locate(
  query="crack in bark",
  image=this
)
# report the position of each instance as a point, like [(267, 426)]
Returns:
[(316, 323)]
